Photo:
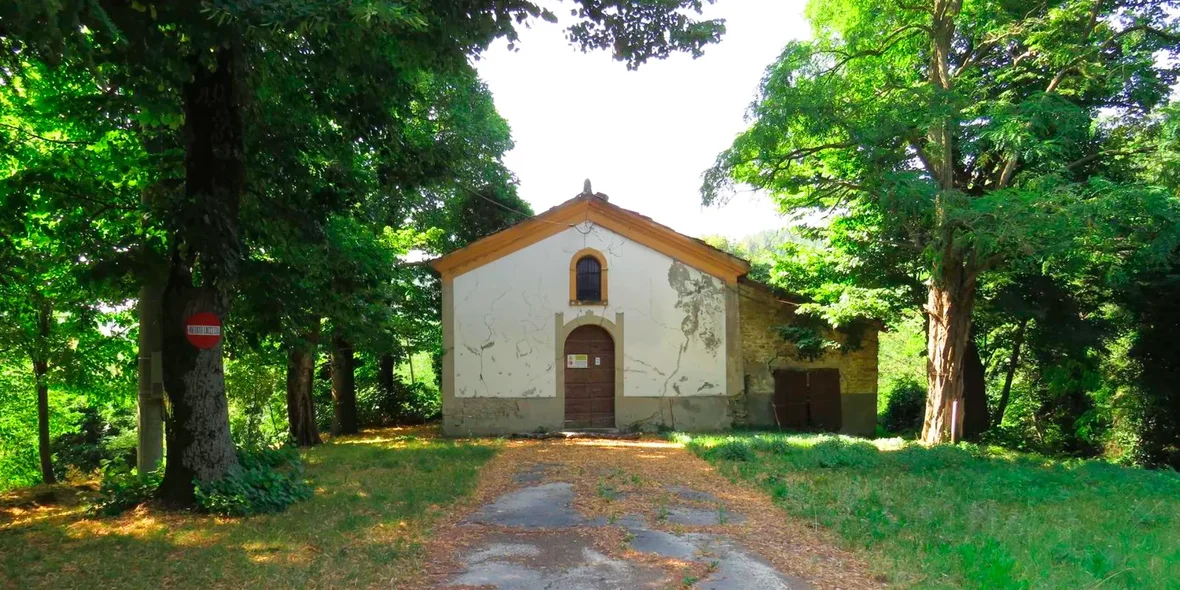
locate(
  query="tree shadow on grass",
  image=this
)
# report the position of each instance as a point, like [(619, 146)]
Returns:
[(376, 497)]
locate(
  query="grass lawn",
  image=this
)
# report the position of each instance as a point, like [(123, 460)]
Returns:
[(376, 498), (968, 517)]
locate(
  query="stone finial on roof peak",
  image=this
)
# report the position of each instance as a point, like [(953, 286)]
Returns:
[(589, 192)]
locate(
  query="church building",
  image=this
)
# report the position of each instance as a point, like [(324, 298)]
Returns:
[(591, 316)]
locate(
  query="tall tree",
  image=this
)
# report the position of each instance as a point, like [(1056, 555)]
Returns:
[(200, 55), (979, 132)]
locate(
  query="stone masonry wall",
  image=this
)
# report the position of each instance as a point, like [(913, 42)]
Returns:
[(764, 351)]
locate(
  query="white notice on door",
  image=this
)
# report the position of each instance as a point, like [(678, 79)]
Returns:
[(577, 361)]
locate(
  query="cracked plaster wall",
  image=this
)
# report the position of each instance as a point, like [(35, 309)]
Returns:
[(674, 341)]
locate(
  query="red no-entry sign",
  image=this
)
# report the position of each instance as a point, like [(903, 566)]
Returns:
[(203, 330)]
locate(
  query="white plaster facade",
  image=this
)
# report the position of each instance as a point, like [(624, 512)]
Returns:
[(504, 337)]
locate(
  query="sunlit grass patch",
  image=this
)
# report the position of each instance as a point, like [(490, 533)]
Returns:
[(376, 498), (968, 516)]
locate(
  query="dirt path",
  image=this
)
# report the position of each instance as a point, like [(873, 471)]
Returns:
[(626, 514)]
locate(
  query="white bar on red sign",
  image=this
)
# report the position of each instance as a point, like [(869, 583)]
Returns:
[(204, 330)]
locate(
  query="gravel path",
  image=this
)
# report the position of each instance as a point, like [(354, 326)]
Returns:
[(590, 514)]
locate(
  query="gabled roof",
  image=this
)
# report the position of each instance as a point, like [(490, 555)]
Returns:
[(597, 210)]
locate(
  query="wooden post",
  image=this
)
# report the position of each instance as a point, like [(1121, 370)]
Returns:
[(954, 421)]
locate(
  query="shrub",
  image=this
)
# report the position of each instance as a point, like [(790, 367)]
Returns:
[(98, 441), (733, 450), (771, 444), (920, 459), (407, 403), (266, 480), (124, 488), (836, 452), (905, 407)]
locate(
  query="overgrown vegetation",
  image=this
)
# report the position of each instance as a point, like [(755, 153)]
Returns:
[(266, 480), (989, 518)]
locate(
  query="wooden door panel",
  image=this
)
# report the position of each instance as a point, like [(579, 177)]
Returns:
[(824, 387), (590, 391), (790, 398)]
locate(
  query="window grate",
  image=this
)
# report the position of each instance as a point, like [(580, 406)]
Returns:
[(589, 279)]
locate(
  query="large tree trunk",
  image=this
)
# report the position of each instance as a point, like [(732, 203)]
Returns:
[(343, 386), (150, 441), (300, 384), (974, 394), (205, 237), (951, 299), (952, 289), (385, 368), (199, 443), (1013, 362), (41, 374)]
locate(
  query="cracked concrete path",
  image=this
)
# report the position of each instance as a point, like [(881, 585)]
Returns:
[(597, 514)]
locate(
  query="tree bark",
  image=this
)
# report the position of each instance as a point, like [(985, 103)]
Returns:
[(300, 383), (385, 373), (204, 242), (199, 443), (343, 386), (975, 419), (1013, 362), (952, 289), (951, 299), (150, 431), (41, 374)]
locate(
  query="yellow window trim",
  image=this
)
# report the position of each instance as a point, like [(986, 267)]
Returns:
[(580, 254)]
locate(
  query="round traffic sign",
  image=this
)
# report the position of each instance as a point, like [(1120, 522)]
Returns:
[(203, 330)]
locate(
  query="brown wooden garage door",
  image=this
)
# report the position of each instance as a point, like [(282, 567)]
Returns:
[(808, 399), (590, 390)]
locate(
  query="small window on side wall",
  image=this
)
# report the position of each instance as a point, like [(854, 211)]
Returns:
[(588, 278)]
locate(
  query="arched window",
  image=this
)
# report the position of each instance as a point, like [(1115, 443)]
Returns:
[(588, 278)]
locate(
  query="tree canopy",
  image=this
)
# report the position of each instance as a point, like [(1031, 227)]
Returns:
[(278, 164), (946, 141)]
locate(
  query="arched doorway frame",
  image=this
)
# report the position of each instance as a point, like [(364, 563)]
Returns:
[(615, 329)]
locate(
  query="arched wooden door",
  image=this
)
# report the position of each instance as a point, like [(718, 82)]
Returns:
[(589, 378)]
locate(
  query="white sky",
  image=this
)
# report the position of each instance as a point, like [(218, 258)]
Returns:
[(642, 137)]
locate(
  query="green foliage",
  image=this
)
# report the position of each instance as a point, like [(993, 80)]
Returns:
[(1153, 368), (733, 450), (966, 516), (267, 480), (280, 159), (82, 435), (407, 403), (809, 340), (905, 406), (124, 488), (256, 388), (18, 425), (100, 439), (975, 150), (901, 355)]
